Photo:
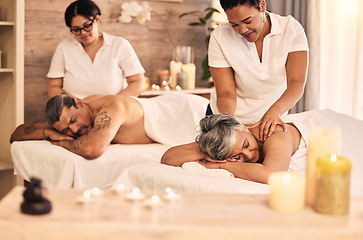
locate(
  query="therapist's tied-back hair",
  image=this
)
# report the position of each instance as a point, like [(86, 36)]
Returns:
[(217, 135), (229, 4), (55, 105), (85, 8)]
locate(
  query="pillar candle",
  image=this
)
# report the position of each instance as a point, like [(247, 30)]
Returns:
[(182, 79), (321, 141), (175, 67), (189, 69), (163, 75), (332, 184), (287, 191)]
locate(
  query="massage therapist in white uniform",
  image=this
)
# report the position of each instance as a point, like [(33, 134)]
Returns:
[(93, 62), (258, 61)]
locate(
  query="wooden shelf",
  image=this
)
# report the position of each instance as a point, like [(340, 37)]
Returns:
[(6, 23), (204, 92), (6, 70), (11, 74)]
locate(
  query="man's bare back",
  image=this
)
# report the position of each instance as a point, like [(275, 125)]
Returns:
[(132, 130)]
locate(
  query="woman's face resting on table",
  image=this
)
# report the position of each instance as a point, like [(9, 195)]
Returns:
[(229, 141)]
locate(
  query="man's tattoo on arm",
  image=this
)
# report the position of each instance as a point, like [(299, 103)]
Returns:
[(102, 121), (75, 144)]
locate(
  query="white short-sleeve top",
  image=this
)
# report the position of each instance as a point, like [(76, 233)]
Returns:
[(114, 61), (259, 84)]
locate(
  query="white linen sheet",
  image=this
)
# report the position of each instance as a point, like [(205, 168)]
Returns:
[(60, 168)]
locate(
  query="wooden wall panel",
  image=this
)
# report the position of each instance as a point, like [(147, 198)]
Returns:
[(45, 28)]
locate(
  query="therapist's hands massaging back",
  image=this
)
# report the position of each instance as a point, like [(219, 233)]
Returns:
[(258, 62), (93, 62)]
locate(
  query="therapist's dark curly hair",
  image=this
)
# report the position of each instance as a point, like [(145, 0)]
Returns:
[(229, 4), (55, 106), (85, 8)]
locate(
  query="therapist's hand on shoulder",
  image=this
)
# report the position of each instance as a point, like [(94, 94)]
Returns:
[(268, 124)]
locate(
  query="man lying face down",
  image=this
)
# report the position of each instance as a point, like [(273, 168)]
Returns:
[(86, 127)]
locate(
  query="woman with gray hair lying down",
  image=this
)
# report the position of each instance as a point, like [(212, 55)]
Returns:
[(225, 143)]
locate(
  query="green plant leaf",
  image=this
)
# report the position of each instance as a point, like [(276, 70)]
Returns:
[(198, 13), (212, 9), (195, 24)]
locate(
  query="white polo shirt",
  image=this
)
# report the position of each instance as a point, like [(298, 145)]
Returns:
[(259, 84), (114, 61)]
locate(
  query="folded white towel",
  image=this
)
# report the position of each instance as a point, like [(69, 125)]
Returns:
[(196, 168)]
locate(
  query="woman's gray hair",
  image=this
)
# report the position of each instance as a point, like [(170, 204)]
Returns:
[(217, 135), (55, 105)]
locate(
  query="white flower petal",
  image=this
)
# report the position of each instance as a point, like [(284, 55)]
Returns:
[(125, 18)]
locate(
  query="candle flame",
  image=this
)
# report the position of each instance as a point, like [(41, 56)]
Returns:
[(286, 179), (95, 191), (168, 190), (171, 194), (136, 191), (121, 187), (333, 157), (155, 199), (87, 194)]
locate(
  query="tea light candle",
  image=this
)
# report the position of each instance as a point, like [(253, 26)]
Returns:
[(96, 192), (119, 189), (332, 184), (287, 191), (153, 202), (170, 195), (135, 195), (189, 69), (164, 84), (85, 198), (178, 88), (322, 141)]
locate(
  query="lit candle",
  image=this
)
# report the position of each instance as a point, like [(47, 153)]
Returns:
[(332, 184), (96, 192), (163, 75), (175, 67), (189, 69), (322, 141), (178, 88), (153, 202), (119, 189), (170, 194), (85, 198), (164, 84), (135, 195), (287, 191)]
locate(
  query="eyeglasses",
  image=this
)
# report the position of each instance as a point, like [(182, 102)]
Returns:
[(86, 27)]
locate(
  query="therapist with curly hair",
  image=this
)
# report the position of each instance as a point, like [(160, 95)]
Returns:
[(93, 62), (258, 61)]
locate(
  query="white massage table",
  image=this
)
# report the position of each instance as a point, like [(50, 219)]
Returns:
[(139, 165)]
